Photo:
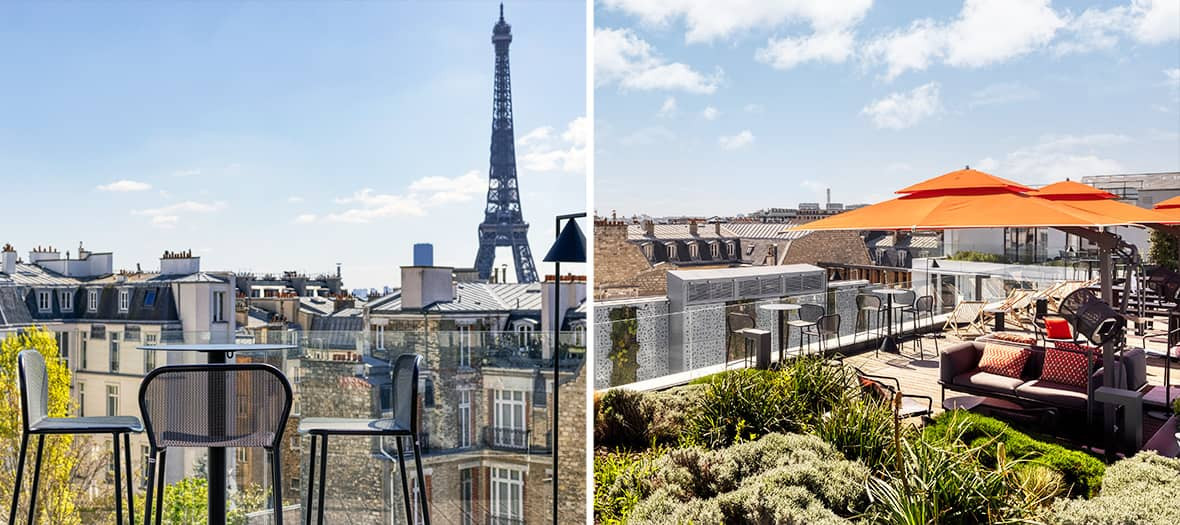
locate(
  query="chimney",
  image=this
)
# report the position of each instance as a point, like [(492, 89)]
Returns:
[(829, 202), (82, 253), (423, 286), (423, 254), (692, 227), (43, 254), (717, 228), (649, 228), (179, 263), (9, 256)]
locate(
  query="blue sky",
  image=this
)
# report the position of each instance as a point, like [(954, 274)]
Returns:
[(706, 110), (268, 137)]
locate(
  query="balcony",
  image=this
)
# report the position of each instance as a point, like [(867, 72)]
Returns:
[(343, 374)]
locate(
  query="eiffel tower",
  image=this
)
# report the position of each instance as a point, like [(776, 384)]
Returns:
[(503, 223)]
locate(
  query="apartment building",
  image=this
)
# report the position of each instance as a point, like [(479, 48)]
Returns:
[(101, 317)]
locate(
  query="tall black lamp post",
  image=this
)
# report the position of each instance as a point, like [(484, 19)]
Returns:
[(569, 247)]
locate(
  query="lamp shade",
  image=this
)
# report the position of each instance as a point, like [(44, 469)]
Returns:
[(570, 245)]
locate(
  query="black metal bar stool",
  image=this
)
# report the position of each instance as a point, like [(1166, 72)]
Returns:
[(174, 401), (403, 425), (35, 421)]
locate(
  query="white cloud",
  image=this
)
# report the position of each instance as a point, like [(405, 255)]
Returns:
[(1155, 21), (1057, 157), (786, 53), (294, 199), (901, 110), (668, 108), (706, 20), (646, 136), (186, 173), (168, 216), (370, 205), (711, 113), (1142, 21), (985, 32), (622, 58), (1173, 77), (306, 218), (733, 142), (444, 190), (545, 152), (125, 185), (754, 108), (1002, 93)]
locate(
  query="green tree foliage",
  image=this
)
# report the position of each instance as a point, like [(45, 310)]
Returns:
[(186, 502), (624, 340), (1163, 250), (55, 498)]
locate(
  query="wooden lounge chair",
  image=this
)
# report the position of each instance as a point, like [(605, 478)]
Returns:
[(1015, 308), (969, 313)]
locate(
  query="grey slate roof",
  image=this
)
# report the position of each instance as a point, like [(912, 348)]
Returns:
[(473, 297)]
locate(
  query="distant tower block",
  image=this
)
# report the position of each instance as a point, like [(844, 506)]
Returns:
[(423, 254), (503, 223)]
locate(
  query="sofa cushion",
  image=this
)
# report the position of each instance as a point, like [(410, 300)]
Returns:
[(1057, 328), (989, 381), (1003, 360), (1014, 337), (1066, 367), (1056, 394), (1134, 363)]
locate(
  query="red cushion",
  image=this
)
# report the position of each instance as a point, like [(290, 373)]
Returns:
[(1065, 367), (1057, 328), (1003, 360)]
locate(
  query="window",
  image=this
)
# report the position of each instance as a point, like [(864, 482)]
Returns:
[(149, 298), (145, 457), (81, 399), (124, 300), (379, 337), (506, 497), (715, 250), (112, 400), (92, 300), (466, 495), (465, 346), (131, 333), (694, 251), (540, 391), (219, 307), (114, 351), (647, 249), (750, 249), (44, 300), (428, 393), (243, 454), (509, 422), (63, 347), (464, 427), (671, 250), (730, 247), (524, 334), (416, 497), (66, 299), (82, 350), (149, 356)]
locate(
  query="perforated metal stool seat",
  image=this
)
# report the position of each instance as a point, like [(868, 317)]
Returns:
[(87, 425), (33, 375), (353, 426), (403, 425)]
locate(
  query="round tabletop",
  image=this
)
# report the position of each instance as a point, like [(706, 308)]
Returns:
[(222, 347), (780, 307), (891, 291)]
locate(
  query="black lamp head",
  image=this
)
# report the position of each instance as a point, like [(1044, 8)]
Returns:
[(934, 263), (570, 246)]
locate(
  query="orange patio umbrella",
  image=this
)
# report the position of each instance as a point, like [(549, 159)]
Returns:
[(1170, 208), (1091, 199), (965, 198)]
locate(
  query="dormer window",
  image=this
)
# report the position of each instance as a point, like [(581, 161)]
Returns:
[(92, 300), (66, 299), (694, 251), (647, 249), (715, 250), (671, 250), (44, 300), (730, 247), (124, 300)]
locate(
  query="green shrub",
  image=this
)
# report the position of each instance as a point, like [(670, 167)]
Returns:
[(621, 479), (621, 420), (744, 405), (1144, 489), (1081, 472), (777, 479), (946, 482), (862, 429), (818, 385), (968, 255)]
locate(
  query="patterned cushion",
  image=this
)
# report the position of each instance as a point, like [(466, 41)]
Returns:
[(1065, 367), (1057, 328), (1004, 360), (1013, 337)]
